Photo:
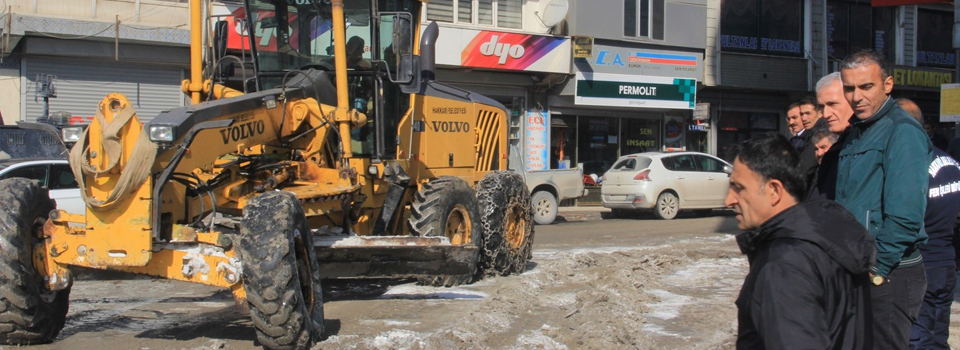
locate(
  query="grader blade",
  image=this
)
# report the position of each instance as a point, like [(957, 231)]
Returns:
[(393, 257)]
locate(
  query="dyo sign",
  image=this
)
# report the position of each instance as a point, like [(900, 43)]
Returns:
[(502, 50)]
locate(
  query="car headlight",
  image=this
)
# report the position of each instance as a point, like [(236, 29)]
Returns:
[(71, 133), (161, 133)]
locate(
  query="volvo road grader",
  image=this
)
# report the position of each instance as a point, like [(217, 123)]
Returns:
[(305, 161)]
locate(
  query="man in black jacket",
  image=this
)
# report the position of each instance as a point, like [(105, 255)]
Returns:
[(810, 114), (809, 262)]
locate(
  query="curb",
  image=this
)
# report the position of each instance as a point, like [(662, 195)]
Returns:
[(578, 216)]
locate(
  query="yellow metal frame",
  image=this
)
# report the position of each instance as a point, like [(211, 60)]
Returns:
[(472, 137)]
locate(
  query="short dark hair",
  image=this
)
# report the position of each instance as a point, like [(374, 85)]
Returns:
[(867, 56), (772, 157), (809, 100), (792, 106)]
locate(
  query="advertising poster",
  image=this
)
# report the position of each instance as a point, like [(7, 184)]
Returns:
[(673, 134), (536, 140)]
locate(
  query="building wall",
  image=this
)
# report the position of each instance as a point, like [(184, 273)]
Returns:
[(711, 62), (768, 73), (10, 89), (142, 12), (683, 24), (818, 40), (909, 36)]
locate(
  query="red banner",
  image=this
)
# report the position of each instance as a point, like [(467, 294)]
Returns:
[(878, 3)]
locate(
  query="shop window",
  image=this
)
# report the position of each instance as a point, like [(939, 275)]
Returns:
[(736, 127), (770, 27), (496, 13), (640, 135), (563, 139), (852, 26), (933, 50), (598, 143), (643, 18)]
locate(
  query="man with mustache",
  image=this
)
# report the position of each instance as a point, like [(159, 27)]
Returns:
[(795, 126), (882, 180)]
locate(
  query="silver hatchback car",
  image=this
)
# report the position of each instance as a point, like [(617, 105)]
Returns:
[(666, 183)]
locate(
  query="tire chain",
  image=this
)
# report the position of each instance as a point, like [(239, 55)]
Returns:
[(494, 183)]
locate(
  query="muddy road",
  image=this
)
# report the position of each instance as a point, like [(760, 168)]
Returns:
[(607, 284)]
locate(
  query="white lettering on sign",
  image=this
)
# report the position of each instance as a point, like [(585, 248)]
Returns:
[(494, 48), (638, 90)]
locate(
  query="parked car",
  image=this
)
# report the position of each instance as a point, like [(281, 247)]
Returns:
[(36, 151), (53, 174), (665, 183)]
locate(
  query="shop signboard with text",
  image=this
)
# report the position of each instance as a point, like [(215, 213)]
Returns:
[(600, 89), (634, 61), (501, 50), (536, 153)]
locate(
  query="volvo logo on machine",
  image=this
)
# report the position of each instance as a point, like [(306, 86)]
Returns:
[(449, 126), (241, 131)]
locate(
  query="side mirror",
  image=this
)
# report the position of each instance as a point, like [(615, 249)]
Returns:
[(408, 74), (224, 69), (728, 169), (401, 41)]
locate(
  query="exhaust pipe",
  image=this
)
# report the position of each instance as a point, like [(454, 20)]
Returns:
[(428, 51)]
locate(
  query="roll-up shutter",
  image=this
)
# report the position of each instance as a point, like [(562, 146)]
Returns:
[(81, 84)]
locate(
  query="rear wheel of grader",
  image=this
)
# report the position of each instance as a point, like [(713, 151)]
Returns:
[(446, 207), (31, 313), (507, 220), (281, 274)]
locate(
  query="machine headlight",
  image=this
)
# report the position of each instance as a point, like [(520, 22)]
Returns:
[(161, 133), (71, 134)]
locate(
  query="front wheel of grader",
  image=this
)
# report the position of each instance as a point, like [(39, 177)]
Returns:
[(447, 207), (30, 314), (507, 220), (281, 274)]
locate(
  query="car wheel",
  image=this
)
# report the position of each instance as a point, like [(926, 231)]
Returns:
[(667, 206), (544, 207)]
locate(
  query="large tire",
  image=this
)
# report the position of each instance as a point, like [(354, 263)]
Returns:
[(544, 207), (667, 206), (281, 274), (507, 221), (30, 313), (447, 207)]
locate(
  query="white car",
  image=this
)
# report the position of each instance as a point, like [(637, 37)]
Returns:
[(53, 174), (666, 183)]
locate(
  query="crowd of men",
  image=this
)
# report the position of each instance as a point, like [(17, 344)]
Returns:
[(849, 225)]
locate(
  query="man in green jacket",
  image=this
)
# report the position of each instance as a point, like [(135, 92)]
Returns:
[(882, 180)]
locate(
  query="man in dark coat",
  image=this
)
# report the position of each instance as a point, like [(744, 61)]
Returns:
[(809, 262), (932, 326), (812, 119)]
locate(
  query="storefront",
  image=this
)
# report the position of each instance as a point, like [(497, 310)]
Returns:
[(625, 100), (513, 69)]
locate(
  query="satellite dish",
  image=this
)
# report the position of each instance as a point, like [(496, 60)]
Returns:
[(554, 11)]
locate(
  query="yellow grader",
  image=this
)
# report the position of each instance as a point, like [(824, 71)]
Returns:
[(313, 162)]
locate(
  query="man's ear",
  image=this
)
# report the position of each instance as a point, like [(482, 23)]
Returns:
[(775, 192), (888, 85)]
